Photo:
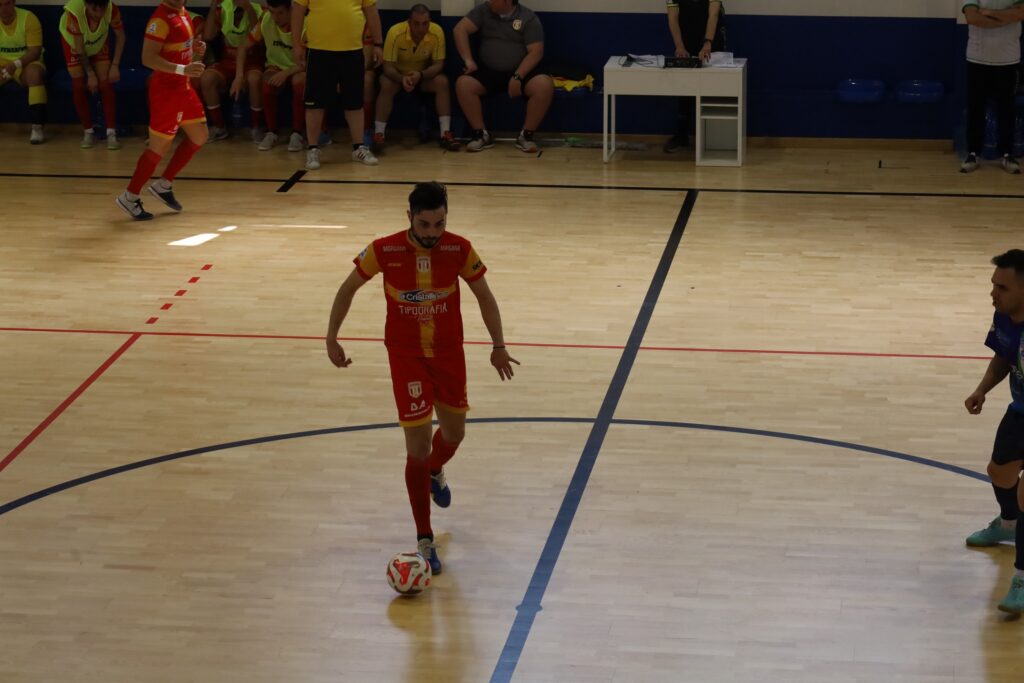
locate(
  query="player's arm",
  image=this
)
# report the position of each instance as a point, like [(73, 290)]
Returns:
[(500, 359), (997, 371), (211, 27), (376, 32), (677, 34), (298, 19), (714, 12), (436, 67), (151, 59), (34, 40), (981, 19), (91, 79), (342, 303), (115, 61), (236, 86), (250, 11), (461, 33)]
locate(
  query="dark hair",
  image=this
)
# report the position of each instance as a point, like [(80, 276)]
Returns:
[(98, 3), (419, 8), (427, 197), (278, 3), (1011, 259)]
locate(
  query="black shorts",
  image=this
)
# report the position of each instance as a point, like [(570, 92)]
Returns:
[(326, 71), (496, 82), (1009, 444)]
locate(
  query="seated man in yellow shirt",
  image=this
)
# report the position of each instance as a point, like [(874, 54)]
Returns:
[(414, 62), (21, 60)]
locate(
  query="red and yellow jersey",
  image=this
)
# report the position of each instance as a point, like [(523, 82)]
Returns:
[(172, 28), (421, 287)]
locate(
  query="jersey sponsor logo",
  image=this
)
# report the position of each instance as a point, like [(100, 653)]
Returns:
[(152, 28), (12, 50), (281, 43), (422, 296), (392, 247), (417, 407), (423, 264), (362, 254), (478, 265), (451, 247), (424, 313), (415, 389)]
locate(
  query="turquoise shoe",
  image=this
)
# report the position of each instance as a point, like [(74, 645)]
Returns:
[(993, 534), (1014, 600)]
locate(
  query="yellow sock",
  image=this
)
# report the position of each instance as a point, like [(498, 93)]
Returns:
[(37, 94)]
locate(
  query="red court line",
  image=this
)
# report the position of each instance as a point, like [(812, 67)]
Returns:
[(612, 347), (68, 401)]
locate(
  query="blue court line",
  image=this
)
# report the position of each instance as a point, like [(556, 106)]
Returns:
[(52, 490), (526, 611)]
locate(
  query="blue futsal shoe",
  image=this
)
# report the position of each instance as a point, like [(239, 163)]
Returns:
[(439, 490), (428, 549)]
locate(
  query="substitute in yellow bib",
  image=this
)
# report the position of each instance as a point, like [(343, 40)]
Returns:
[(232, 20), (85, 36), (414, 62), (21, 55)]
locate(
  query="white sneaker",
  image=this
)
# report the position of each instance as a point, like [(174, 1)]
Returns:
[(481, 142), (970, 163), (132, 207), (113, 143), (36, 137), (313, 159), (1011, 165), (526, 144), (88, 139), (267, 143), (217, 134), (363, 155), (296, 143)]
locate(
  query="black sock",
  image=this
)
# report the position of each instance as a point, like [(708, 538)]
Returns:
[(313, 146), (355, 146), (478, 133), (38, 113), (429, 537), (1019, 564), (1007, 499)]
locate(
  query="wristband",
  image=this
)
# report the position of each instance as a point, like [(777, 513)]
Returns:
[(708, 40), (497, 347), (179, 69), (378, 44), (17, 63)]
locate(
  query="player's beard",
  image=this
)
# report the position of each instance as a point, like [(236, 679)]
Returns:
[(425, 242)]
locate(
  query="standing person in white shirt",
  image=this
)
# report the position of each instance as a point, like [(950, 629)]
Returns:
[(993, 60)]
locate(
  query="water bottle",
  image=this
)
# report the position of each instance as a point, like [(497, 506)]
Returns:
[(236, 114)]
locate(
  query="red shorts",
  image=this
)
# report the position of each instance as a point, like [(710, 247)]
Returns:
[(74, 60), (171, 105), (228, 63), (419, 383)]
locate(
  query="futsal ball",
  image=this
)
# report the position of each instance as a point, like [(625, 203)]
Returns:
[(408, 573)]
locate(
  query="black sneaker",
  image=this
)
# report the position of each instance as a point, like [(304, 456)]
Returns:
[(166, 196), (133, 208), (676, 143)]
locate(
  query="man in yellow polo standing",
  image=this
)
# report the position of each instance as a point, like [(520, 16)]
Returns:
[(334, 34), (414, 62), (21, 60)]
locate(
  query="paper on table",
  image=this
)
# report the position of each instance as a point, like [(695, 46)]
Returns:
[(723, 59)]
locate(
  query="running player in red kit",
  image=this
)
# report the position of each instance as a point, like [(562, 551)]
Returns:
[(422, 266), (172, 51)]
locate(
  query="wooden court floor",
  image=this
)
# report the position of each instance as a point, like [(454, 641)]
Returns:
[(735, 450)]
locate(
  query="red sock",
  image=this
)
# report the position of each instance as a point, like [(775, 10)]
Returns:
[(109, 103), (298, 109), (143, 170), (81, 99), (270, 106), (417, 482), (440, 452), (216, 116), (186, 150), (254, 116)]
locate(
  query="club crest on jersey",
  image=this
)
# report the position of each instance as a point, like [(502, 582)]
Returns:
[(423, 264), (152, 28), (415, 389), (517, 25)]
